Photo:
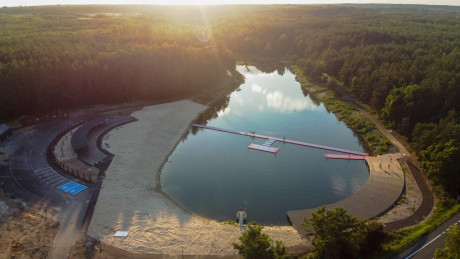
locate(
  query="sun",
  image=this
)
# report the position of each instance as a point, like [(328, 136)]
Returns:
[(206, 2), (185, 2)]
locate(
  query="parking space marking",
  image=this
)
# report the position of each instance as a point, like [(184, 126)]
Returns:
[(43, 169), (45, 172), (62, 181), (53, 178)]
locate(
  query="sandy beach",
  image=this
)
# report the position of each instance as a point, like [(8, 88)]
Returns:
[(130, 198)]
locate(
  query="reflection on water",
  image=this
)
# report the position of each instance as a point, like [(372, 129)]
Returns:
[(213, 174), (264, 92)]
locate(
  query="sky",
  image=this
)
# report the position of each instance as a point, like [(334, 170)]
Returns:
[(198, 2)]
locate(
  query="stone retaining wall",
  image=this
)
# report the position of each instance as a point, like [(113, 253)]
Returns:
[(86, 175)]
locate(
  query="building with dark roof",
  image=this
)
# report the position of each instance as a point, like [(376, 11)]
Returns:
[(5, 132)]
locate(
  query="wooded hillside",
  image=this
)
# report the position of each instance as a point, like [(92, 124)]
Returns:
[(59, 58), (402, 61)]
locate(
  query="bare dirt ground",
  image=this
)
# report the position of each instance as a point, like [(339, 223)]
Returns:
[(409, 202), (23, 234)]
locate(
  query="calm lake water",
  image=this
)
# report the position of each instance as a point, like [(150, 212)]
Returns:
[(213, 174)]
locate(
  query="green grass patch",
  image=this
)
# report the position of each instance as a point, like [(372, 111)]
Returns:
[(404, 238), (402, 199), (230, 222)]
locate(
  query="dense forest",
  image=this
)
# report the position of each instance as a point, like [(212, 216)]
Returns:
[(55, 60), (401, 61)]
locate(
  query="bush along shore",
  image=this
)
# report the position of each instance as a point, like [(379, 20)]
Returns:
[(345, 111)]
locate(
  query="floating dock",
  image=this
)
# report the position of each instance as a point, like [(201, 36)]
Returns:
[(264, 148), (269, 142), (284, 140), (348, 157)]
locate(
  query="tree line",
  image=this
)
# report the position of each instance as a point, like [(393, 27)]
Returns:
[(401, 61), (52, 62)]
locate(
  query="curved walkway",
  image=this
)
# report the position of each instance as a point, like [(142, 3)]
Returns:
[(428, 200), (425, 208), (93, 155), (80, 136), (383, 188)]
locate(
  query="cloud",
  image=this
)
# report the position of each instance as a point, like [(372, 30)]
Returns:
[(256, 88), (224, 112), (278, 101)]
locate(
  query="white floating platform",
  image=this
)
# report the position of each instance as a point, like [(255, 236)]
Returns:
[(273, 150), (121, 233)]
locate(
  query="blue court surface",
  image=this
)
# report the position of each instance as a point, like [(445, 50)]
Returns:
[(72, 187)]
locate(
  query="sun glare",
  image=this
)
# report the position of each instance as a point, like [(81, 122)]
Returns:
[(142, 2), (208, 2), (213, 2)]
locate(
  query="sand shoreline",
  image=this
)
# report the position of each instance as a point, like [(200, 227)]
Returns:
[(166, 158), (131, 198)]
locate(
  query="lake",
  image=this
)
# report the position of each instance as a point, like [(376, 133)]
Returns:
[(213, 174)]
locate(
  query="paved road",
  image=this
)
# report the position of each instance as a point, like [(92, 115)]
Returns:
[(30, 177), (427, 245), (21, 179)]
